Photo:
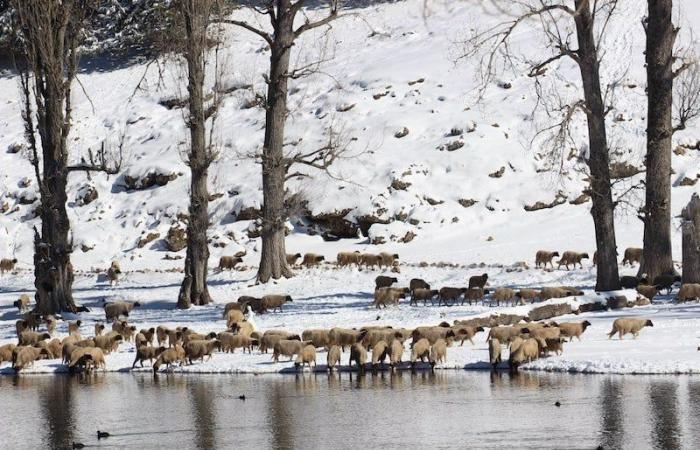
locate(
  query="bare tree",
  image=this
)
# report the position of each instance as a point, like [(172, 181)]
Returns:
[(275, 164), (194, 16), (656, 214), (49, 33), (574, 30)]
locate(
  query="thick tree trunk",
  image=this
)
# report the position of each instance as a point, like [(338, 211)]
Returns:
[(657, 258), (273, 263), (691, 241), (194, 286), (603, 209)]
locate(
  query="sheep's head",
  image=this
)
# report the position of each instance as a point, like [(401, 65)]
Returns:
[(555, 254), (288, 298), (478, 329), (585, 324), (585, 256), (648, 323), (45, 336), (395, 255), (137, 304)]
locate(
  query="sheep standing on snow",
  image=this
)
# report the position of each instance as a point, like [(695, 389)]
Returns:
[(199, 349), (666, 281), (113, 273), (383, 281), (32, 337), (7, 265), (333, 357), (465, 333), (387, 296), (348, 258), (688, 292), (380, 351), (417, 283), (109, 342), (233, 316), (495, 352), (229, 262), (648, 291), (555, 345), (344, 337), (170, 357), (450, 295), (230, 342), (114, 310), (432, 334), (544, 257), (388, 259), (419, 294), (478, 281), (312, 260), (26, 356), (632, 255), (571, 258), (527, 350), (358, 354), (307, 355), (420, 350), (319, 338), (6, 352), (287, 347), (396, 353), (528, 294), (573, 330), (370, 260), (145, 352), (22, 303), (438, 352), (629, 325), (503, 295), (275, 302), (474, 295), (292, 258)]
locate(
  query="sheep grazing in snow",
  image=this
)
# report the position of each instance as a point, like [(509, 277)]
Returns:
[(25, 357), (292, 258), (312, 260), (388, 259), (380, 351), (307, 355), (573, 330), (348, 258), (571, 258), (632, 255), (688, 292), (370, 260), (420, 350), (478, 281), (7, 265), (275, 302), (629, 326), (383, 281), (22, 303), (544, 257), (648, 291), (438, 352), (114, 310), (333, 357), (495, 352), (229, 262)]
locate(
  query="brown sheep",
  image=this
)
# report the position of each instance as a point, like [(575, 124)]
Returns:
[(417, 283), (418, 294), (6, 352), (292, 258), (199, 349), (32, 337), (33, 320), (555, 345), (145, 352), (22, 303), (348, 258), (312, 260), (129, 333), (380, 351), (271, 337), (688, 292), (238, 306), (287, 347), (370, 260), (420, 350), (112, 276), (358, 354), (632, 255), (97, 357), (99, 328), (275, 302), (344, 337), (388, 335), (54, 347), (307, 355), (388, 259), (432, 334), (384, 281), (233, 316), (465, 333), (20, 326), (333, 357), (502, 294), (108, 342), (504, 334), (229, 262), (148, 335), (26, 356), (7, 265), (396, 353), (629, 325), (495, 351), (190, 335), (450, 295), (474, 295), (554, 292), (230, 342), (176, 336), (648, 291), (544, 332), (319, 338), (544, 257), (573, 330), (119, 326), (478, 281), (74, 328), (255, 304), (169, 357), (438, 352), (161, 334), (528, 294), (571, 258), (527, 351), (387, 296), (115, 309)]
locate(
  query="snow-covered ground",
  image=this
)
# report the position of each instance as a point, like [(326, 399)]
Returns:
[(326, 297)]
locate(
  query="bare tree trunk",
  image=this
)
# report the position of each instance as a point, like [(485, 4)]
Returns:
[(273, 263), (691, 241), (657, 258), (194, 286), (603, 209)]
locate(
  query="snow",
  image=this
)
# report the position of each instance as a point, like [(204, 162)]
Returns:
[(328, 297)]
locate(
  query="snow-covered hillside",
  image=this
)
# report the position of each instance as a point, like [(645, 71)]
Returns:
[(391, 67)]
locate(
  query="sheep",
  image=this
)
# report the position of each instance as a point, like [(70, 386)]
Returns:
[(292, 258), (372, 337), (475, 295), (7, 265), (275, 302), (344, 337), (243, 328), (348, 258), (648, 291), (50, 324), (384, 281), (438, 352), (230, 342), (543, 332), (319, 338), (571, 258), (22, 303), (169, 357), (432, 334), (630, 282), (666, 281), (424, 294), (287, 347), (514, 344), (146, 352), (78, 357), (32, 337), (420, 350), (229, 262), (450, 294), (113, 276), (333, 357), (162, 334), (271, 337), (573, 330), (233, 316), (478, 281), (417, 283), (466, 333), (632, 255), (370, 260), (554, 292), (307, 355), (312, 260), (190, 335), (148, 335), (388, 259), (89, 342), (387, 296), (495, 351), (528, 350), (255, 304), (629, 325), (504, 334), (688, 292), (115, 309), (396, 353), (25, 357), (380, 351), (129, 333), (6, 352), (20, 326), (503, 294), (544, 257), (53, 347), (358, 354), (555, 345), (97, 357), (108, 342), (199, 349), (119, 326), (32, 320), (238, 306)]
